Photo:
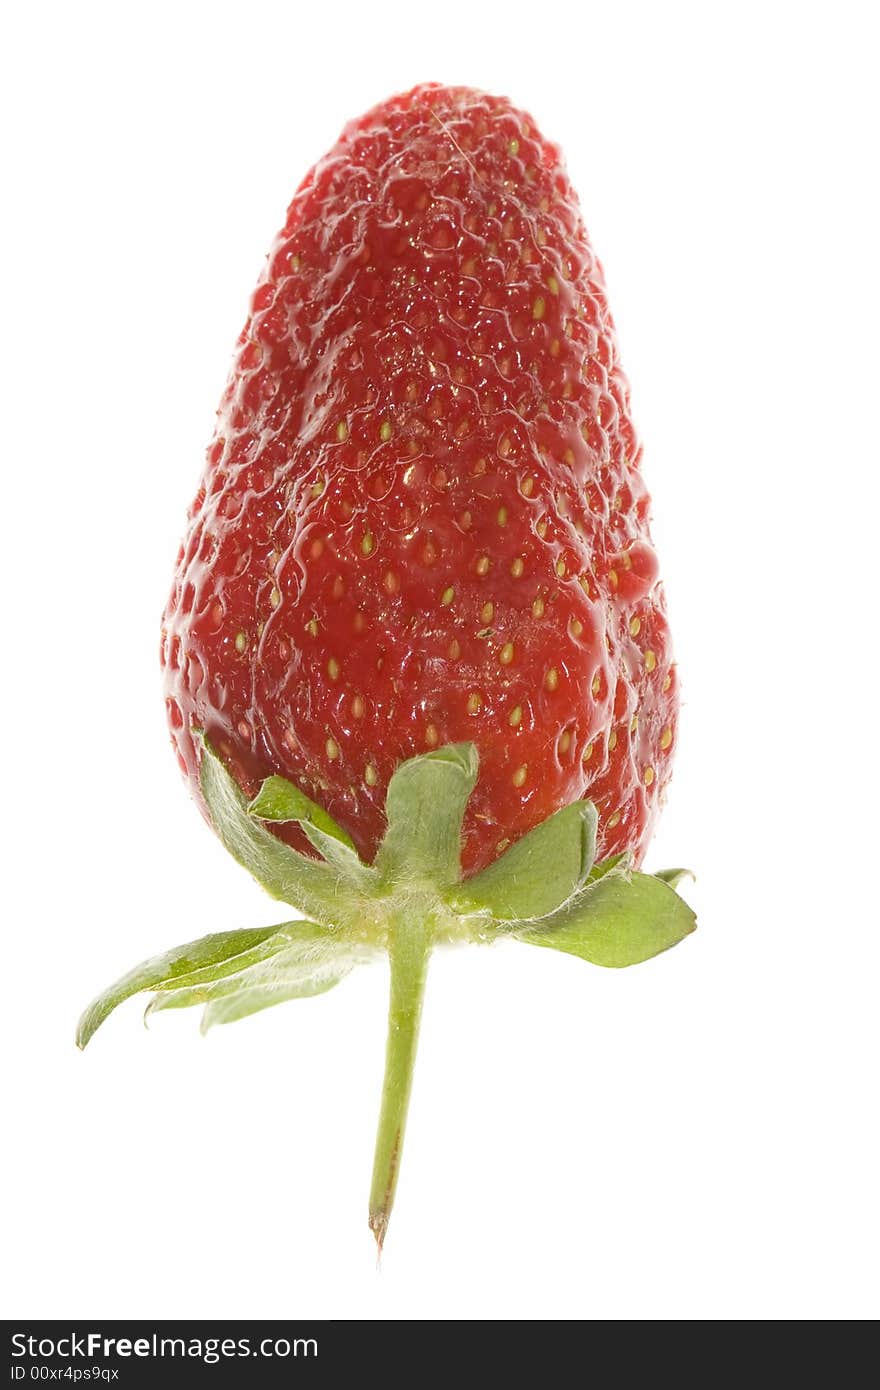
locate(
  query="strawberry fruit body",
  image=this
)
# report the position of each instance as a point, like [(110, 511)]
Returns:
[(416, 615), (422, 519)]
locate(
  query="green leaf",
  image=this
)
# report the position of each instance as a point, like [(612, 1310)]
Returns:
[(314, 888), (342, 858), (280, 800), (426, 801), (253, 1000), (672, 876), (540, 872), (311, 962), (210, 956), (616, 921), (301, 945), (615, 864), (233, 966)]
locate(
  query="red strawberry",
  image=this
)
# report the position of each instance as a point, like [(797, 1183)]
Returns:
[(420, 552), (422, 519)]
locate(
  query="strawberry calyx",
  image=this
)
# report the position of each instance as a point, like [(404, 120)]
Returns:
[(545, 890)]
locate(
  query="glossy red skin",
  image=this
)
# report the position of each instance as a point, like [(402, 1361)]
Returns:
[(427, 396)]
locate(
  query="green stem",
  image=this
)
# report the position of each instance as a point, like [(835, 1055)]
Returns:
[(408, 952)]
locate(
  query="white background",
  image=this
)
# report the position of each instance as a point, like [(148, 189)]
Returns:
[(695, 1138)]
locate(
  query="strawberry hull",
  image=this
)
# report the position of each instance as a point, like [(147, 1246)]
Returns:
[(422, 520)]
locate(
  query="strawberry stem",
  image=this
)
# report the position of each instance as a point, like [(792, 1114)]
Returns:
[(409, 947)]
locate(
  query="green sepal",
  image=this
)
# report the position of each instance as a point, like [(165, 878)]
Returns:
[(425, 806), (258, 997), (308, 961), (341, 857), (673, 876), (618, 920), (540, 872), (308, 884), (280, 800), (544, 891), (210, 957), (614, 864)]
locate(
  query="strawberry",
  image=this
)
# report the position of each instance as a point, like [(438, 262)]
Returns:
[(420, 548), (422, 519)]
